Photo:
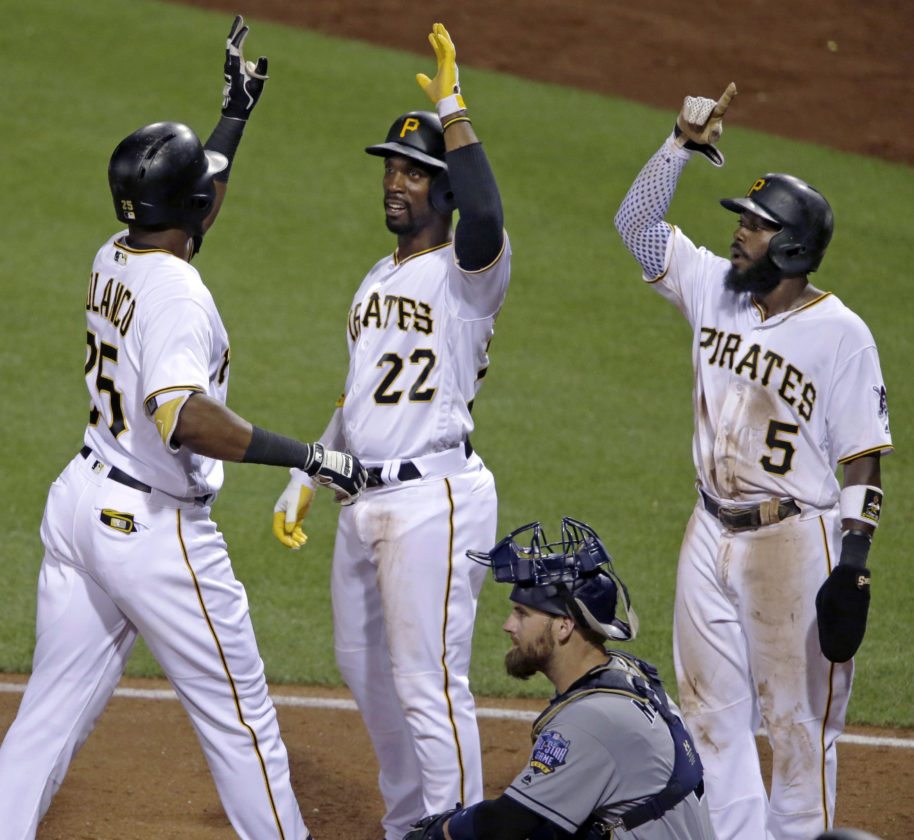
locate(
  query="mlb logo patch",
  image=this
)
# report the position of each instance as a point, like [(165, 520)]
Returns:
[(549, 753), (120, 257)]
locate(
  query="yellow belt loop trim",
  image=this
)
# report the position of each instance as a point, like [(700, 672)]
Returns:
[(447, 596), (228, 675)]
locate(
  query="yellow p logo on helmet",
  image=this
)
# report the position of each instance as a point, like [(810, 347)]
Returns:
[(756, 186), (409, 124)]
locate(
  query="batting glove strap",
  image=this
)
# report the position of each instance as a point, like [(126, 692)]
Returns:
[(243, 79), (701, 122), (338, 471)]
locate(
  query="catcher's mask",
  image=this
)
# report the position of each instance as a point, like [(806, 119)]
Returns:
[(802, 213), (418, 136), (573, 578), (161, 177)]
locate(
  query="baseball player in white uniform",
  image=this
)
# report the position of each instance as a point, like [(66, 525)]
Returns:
[(611, 756), (772, 589), (130, 548), (404, 593)]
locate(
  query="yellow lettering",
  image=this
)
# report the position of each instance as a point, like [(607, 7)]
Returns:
[(409, 124)]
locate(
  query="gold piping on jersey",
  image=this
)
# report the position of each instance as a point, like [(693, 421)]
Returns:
[(831, 688), (872, 451), (504, 241), (195, 388), (228, 675), (806, 305), (447, 595), (124, 247), (398, 261)]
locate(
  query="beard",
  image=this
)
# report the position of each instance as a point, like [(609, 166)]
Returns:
[(404, 226), (759, 277), (524, 662)]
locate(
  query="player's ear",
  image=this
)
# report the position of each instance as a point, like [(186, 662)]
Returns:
[(563, 629)]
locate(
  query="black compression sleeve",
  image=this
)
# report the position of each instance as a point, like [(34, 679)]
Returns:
[(506, 819), (480, 232), (277, 450), (225, 139)]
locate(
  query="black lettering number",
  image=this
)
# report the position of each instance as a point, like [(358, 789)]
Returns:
[(428, 358), (383, 393), (775, 442), (97, 354)]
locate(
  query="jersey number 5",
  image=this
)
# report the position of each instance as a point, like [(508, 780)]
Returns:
[(775, 440), (95, 359), (383, 393)]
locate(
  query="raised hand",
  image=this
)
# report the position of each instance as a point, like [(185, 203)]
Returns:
[(244, 80)]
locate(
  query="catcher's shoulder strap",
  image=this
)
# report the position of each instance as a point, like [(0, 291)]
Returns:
[(638, 680)]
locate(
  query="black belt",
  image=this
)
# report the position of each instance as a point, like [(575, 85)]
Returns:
[(744, 518), (120, 476), (129, 481), (408, 470)]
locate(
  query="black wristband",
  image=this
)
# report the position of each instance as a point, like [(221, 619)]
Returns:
[(225, 139), (855, 546), (277, 450)]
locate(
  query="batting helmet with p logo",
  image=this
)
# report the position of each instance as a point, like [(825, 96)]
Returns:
[(418, 135)]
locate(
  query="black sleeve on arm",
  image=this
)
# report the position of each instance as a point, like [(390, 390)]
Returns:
[(506, 819), (480, 232), (225, 139)]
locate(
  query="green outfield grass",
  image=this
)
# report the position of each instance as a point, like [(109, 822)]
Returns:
[(587, 407)]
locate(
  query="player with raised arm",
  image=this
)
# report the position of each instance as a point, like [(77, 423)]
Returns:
[(404, 593), (611, 756), (772, 590), (130, 546)]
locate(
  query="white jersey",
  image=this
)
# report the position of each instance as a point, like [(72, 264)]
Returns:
[(779, 402), (419, 331), (153, 333)]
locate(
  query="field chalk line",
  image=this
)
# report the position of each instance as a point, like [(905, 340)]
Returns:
[(481, 712)]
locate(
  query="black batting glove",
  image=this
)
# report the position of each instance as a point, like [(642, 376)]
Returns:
[(843, 601), (243, 79), (338, 471)]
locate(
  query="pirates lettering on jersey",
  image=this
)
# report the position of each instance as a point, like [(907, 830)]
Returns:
[(116, 302), (768, 368), (403, 312)]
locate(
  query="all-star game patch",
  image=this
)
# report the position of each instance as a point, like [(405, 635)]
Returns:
[(549, 753)]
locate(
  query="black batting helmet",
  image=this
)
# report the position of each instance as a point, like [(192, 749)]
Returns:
[(162, 177), (418, 136), (801, 211), (573, 577)]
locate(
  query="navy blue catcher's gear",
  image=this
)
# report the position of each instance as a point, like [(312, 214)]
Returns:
[(802, 213), (161, 177), (418, 136), (574, 577)]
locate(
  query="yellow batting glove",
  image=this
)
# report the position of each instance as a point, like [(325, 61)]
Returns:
[(291, 509), (444, 89)]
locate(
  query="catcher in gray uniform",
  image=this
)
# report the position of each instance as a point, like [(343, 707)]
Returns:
[(611, 755)]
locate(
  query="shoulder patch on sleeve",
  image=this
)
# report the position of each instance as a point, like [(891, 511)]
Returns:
[(549, 752)]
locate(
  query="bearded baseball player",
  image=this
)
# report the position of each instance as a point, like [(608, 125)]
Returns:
[(772, 590), (130, 547), (611, 755), (404, 593)]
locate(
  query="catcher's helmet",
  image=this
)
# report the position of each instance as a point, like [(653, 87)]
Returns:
[(574, 577), (162, 177), (418, 136), (801, 211)]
